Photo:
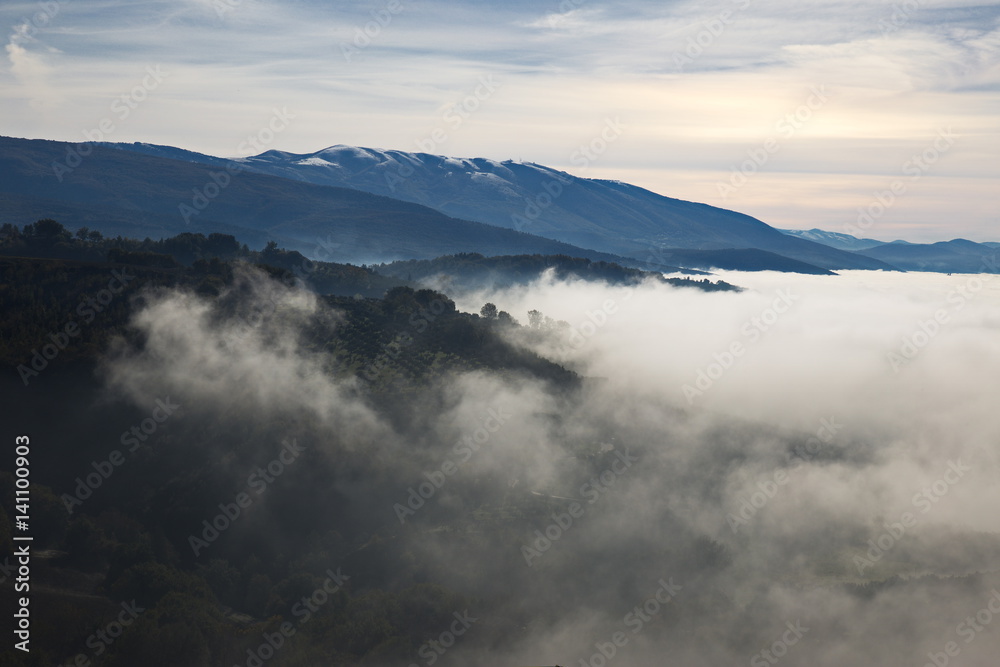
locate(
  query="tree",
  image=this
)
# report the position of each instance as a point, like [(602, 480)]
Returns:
[(505, 318), (48, 231), (489, 311), (225, 245), (10, 234)]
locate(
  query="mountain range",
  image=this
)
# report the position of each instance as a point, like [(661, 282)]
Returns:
[(124, 193), (606, 216), (834, 239), (955, 256), (351, 204)]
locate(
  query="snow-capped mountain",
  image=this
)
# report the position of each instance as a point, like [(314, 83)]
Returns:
[(834, 239), (600, 215), (609, 216)]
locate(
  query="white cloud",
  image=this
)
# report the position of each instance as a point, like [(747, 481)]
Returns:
[(30, 71), (820, 364)]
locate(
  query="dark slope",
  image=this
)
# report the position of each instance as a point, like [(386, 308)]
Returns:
[(741, 259), (120, 192), (471, 271)]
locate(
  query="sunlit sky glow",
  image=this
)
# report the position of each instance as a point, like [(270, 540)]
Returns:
[(892, 76)]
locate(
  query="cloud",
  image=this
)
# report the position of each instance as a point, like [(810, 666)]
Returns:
[(917, 445), (812, 481), (241, 353), (571, 20), (30, 70)]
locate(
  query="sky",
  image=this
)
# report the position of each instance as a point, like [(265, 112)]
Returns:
[(804, 114)]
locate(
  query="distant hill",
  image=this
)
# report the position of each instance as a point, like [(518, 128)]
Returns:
[(833, 239), (955, 256), (741, 259), (474, 271), (135, 195), (607, 216), (49, 239), (42, 295)]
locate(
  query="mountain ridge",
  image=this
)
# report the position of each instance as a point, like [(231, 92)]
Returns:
[(128, 193), (603, 215), (954, 256)]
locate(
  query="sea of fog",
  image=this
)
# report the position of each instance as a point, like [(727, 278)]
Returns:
[(894, 380), (804, 472)]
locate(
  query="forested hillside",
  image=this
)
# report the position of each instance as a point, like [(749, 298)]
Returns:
[(131, 537)]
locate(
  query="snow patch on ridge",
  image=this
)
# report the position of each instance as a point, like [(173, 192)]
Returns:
[(316, 162), (492, 180)]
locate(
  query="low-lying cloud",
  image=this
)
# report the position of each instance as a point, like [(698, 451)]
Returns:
[(814, 500)]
